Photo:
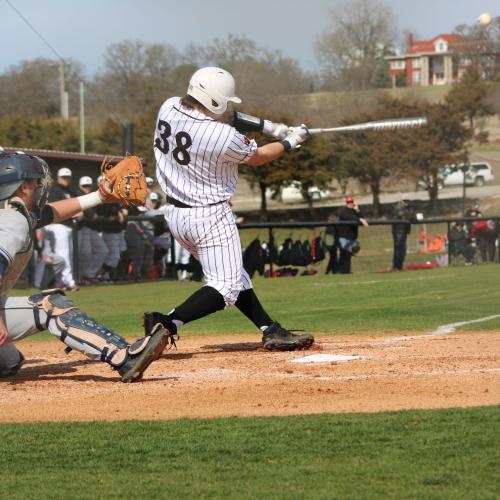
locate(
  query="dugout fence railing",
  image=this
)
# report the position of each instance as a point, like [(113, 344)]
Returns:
[(271, 227)]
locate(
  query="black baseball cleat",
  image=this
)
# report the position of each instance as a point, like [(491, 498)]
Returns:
[(151, 319), (277, 338), (140, 356)]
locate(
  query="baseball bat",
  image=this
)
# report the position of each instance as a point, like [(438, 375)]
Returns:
[(391, 124)]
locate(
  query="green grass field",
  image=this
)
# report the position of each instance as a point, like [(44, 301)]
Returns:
[(412, 454)]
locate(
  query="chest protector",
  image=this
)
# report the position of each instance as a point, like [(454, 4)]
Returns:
[(22, 258)]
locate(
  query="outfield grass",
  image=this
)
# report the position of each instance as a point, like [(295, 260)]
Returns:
[(411, 454), (412, 301)]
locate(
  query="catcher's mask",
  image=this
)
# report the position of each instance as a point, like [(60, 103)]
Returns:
[(18, 167), (214, 88)]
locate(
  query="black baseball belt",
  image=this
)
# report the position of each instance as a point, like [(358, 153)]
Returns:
[(179, 204)]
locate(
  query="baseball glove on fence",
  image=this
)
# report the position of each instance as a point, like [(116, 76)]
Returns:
[(123, 183)]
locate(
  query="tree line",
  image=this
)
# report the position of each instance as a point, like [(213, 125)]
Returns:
[(137, 77)]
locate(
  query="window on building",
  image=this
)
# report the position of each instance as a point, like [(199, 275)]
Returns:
[(441, 46), (398, 65), (417, 78), (416, 63)]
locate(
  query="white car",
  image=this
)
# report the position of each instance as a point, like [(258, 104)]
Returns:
[(477, 175), (293, 194)]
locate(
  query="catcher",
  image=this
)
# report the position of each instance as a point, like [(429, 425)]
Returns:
[(23, 208)]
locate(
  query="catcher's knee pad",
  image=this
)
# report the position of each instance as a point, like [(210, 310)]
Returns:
[(79, 331)]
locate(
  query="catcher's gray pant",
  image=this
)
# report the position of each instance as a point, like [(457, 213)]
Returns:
[(63, 246), (24, 318), (91, 251), (211, 236)]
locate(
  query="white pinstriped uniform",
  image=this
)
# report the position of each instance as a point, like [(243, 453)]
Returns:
[(197, 161)]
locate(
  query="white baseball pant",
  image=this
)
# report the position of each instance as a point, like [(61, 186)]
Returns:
[(63, 246), (211, 236)]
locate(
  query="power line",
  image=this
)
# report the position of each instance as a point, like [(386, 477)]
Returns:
[(61, 58), (35, 30)]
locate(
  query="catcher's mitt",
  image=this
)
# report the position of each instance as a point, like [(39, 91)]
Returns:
[(123, 183)]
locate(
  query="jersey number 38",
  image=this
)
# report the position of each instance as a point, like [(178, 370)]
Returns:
[(182, 142)]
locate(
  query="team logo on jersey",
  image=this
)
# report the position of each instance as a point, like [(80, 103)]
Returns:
[(246, 140)]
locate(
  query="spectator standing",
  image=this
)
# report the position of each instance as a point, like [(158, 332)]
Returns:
[(91, 247), (63, 232), (400, 231), (474, 211), (348, 234), (485, 234), (332, 245)]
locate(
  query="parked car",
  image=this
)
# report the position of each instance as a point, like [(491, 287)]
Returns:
[(292, 193), (477, 175)]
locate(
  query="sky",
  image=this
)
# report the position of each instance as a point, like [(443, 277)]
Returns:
[(83, 29)]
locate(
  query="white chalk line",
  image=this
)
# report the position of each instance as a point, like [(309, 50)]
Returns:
[(444, 329), (374, 282), (450, 328)]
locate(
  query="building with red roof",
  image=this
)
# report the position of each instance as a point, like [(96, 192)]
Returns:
[(441, 60)]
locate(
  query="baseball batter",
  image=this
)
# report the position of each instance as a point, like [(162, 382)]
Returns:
[(23, 208), (198, 144)]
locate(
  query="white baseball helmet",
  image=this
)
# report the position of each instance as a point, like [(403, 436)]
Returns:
[(214, 88)]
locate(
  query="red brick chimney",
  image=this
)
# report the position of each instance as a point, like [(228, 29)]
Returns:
[(409, 41)]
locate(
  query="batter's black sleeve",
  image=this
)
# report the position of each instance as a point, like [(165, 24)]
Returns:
[(247, 123)]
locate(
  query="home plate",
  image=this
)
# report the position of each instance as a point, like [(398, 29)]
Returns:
[(324, 358)]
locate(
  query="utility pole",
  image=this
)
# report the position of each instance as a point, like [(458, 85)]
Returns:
[(82, 118), (62, 92), (465, 169), (128, 138)]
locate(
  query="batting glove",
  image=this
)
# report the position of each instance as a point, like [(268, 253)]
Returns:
[(276, 130), (295, 137)]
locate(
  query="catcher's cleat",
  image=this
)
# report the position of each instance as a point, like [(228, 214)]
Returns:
[(277, 338), (135, 365)]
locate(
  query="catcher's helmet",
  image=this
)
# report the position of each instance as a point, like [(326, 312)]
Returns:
[(214, 88), (17, 167)]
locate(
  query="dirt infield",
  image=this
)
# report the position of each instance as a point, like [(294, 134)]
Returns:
[(220, 376)]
